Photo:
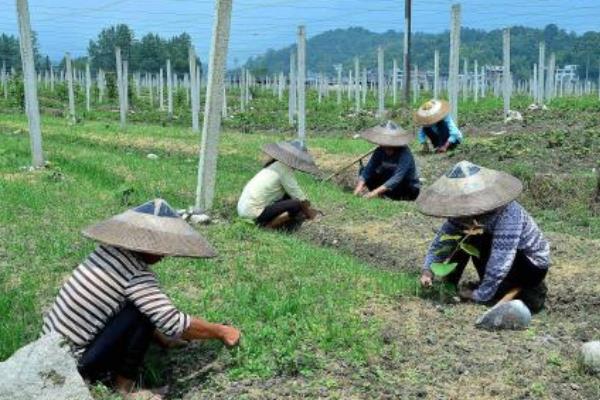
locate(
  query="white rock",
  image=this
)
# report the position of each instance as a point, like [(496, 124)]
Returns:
[(589, 357), (42, 370), (356, 136), (199, 219), (507, 315), (513, 116), (498, 133), (152, 156)]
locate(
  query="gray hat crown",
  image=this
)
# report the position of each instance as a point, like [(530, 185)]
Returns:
[(463, 169)]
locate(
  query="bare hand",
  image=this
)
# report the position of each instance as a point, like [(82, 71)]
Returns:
[(230, 336), (426, 279), (360, 188)]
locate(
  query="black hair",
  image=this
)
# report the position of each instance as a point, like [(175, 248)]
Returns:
[(271, 161)]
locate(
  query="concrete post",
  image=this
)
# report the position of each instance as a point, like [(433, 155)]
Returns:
[(454, 61), (476, 82), (339, 83), (31, 99), (292, 95), (550, 77), (169, 89), (209, 147), (406, 50), (356, 84), (465, 80), (365, 86), (161, 90), (70, 87), (242, 80), (280, 83), (395, 82), (541, 64), (534, 88), (4, 76), (194, 94), (101, 84), (120, 87), (380, 84), (506, 81), (301, 84), (350, 85), (51, 79), (436, 74), (88, 86), (126, 85)]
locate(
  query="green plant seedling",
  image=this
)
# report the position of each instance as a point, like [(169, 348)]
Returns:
[(443, 269)]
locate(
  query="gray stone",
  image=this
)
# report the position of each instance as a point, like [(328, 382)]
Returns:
[(42, 370), (152, 156), (199, 219), (589, 357), (507, 315), (513, 116)]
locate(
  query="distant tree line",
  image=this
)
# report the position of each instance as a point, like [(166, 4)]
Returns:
[(340, 46), (147, 54)]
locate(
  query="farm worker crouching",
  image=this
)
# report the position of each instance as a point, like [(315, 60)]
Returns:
[(111, 307), (391, 171), (437, 126), (485, 222), (273, 198)]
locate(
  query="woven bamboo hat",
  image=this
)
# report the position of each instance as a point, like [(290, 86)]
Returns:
[(468, 190), (387, 134), (293, 154), (154, 228), (431, 112)]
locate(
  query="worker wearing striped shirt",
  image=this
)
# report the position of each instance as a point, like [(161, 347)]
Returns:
[(112, 306)]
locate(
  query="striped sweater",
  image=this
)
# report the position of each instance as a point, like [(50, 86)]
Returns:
[(98, 289), (512, 229)]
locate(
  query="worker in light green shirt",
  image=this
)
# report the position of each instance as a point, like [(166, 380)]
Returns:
[(273, 198)]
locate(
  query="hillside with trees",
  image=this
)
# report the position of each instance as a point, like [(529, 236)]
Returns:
[(340, 46)]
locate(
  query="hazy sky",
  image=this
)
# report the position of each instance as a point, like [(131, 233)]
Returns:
[(67, 25)]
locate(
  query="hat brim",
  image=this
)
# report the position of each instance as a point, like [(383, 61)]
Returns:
[(291, 160), (426, 120), (144, 233), (444, 199), (377, 136)]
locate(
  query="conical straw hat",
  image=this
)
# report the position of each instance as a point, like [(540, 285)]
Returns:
[(154, 228), (468, 190), (387, 134), (431, 112), (293, 154)]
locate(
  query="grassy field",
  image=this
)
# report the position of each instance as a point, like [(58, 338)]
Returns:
[(333, 310), (291, 298)]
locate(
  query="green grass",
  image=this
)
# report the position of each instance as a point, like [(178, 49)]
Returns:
[(296, 303)]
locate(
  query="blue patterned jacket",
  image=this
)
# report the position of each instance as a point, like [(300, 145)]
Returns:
[(512, 229)]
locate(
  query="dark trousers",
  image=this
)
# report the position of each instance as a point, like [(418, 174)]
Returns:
[(120, 347), (441, 137), (286, 204), (401, 192), (523, 273)]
